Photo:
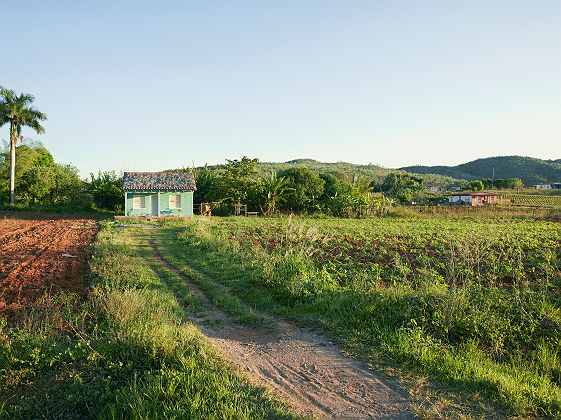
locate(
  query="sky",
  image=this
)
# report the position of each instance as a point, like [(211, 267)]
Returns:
[(148, 86)]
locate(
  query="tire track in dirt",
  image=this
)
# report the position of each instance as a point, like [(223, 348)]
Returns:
[(301, 366)]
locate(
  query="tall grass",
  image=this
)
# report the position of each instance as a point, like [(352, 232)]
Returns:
[(478, 338), (126, 352)]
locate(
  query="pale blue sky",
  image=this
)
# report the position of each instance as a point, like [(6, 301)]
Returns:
[(156, 85)]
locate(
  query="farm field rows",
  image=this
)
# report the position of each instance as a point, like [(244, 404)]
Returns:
[(538, 200), (473, 303), (466, 310), (32, 261)]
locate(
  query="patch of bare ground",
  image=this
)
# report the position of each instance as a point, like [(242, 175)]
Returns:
[(41, 254), (302, 367)]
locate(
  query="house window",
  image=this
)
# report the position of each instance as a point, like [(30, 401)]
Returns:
[(138, 202), (175, 201)]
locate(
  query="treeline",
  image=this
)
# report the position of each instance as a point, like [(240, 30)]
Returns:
[(300, 190), (497, 184), (43, 184), (342, 169)]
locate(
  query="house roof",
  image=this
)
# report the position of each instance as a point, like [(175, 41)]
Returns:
[(475, 193), (159, 181), (433, 185)]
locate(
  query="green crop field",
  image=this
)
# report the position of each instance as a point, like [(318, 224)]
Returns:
[(534, 200), (471, 303), (465, 309)]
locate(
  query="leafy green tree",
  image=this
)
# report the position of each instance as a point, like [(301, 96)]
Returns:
[(514, 183), (402, 186), (35, 184), (475, 186), (333, 186), (235, 182), (30, 155), (16, 110), (204, 179), (69, 189), (306, 187)]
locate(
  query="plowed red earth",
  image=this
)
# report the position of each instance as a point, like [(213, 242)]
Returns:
[(32, 261)]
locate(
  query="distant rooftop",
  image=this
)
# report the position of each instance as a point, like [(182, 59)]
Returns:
[(476, 193), (159, 181)]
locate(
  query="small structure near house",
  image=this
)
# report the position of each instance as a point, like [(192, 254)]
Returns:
[(159, 194), (453, 187), (479, 198), (556, 185), (543, 186), (435, 188)]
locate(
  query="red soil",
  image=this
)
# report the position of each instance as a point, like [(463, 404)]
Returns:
[(31, 260)]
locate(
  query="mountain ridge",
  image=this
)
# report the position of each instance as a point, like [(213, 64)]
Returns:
[(530, 170)]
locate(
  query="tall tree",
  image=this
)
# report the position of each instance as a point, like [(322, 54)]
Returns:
[(18, 112)]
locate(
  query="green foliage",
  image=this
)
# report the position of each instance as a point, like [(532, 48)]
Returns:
[(106, 190), (271, 191), (39, 180), (305, 189), (129, 351), (16, 110), (204, 180), (474, 186), (502, 184), (424, 294), (402, 186), (235, 181)]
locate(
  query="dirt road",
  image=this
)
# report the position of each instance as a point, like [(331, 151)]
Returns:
[(32, 259), (300, 366)]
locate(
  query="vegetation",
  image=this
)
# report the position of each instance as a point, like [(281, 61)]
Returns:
[(471, 302), (16, 110), (533, 200), (126, 352), (342, 170), (529, 170), (40, 181)]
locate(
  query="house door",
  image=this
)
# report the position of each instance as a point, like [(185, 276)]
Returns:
[(154, 200)]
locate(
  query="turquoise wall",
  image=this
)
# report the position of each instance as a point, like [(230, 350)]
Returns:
[(163, 203)]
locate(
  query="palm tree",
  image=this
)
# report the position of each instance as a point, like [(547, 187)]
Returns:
[(16, 110)]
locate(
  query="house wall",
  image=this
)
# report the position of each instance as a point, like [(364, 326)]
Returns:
[(163, 203)]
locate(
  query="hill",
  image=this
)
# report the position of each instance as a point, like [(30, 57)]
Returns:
[(374, 172), (529, 170)]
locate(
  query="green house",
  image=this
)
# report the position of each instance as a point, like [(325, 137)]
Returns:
[(159, 193)]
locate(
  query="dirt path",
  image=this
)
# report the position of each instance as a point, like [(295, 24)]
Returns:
[(302, 367)]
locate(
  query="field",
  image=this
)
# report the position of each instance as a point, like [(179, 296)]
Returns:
[(472, 304), (553, 199), (124, 349), (464, 310), (32, 261)]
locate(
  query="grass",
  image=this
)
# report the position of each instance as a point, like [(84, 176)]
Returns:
[(126, 352), (217, 294), (481, 319)]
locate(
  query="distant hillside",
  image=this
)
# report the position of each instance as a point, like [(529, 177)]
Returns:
[(372, 171), (529, 170)]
